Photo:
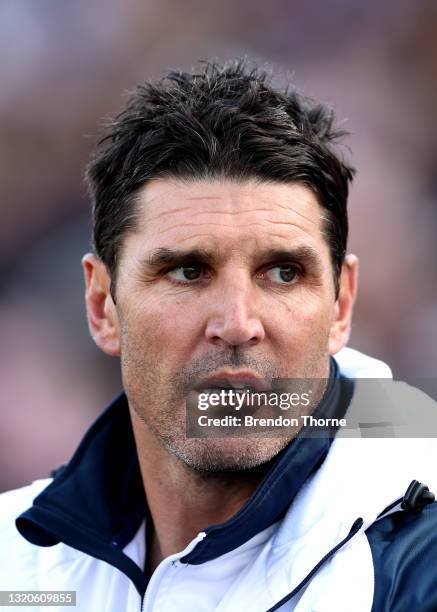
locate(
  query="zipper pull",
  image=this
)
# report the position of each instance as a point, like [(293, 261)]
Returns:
[(416, 497)]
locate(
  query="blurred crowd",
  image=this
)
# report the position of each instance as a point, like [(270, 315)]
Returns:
[(66, 66)]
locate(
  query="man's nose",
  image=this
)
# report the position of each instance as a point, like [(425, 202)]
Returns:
[(234, 318)]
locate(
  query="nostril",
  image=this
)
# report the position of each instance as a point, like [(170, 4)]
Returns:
[(235, 331)]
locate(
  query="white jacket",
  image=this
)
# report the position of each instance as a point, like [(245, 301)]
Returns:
[(358, 479)]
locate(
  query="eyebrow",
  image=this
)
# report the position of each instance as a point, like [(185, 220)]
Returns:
[(165, 257)]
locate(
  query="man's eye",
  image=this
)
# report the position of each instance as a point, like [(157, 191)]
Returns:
[(186, 273), (283, 274)]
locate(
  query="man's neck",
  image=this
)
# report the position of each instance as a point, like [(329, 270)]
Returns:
[(183, 502)]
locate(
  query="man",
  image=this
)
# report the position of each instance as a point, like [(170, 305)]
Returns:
[(220, 231)]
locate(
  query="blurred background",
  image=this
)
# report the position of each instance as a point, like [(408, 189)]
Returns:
[(67, 66)]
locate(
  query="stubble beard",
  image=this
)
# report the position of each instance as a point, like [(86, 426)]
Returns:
[(160, 404)]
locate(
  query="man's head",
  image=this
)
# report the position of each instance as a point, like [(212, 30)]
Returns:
[(220, 228), (221, 122)]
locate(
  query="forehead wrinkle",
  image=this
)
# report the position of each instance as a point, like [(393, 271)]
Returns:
[(288, 207), (297, 240), (303, 194), (209, 212), (311, 220), (263, 223), (193, 237), (233, 212), (211, 239), (173, 210), (299, 214), (274, 222), (293, 225), (256, 239), (179, 225), (205, 198), (286, 239), (269, 209), (272, 203)]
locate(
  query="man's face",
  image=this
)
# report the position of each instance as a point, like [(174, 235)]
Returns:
[(221, 277)]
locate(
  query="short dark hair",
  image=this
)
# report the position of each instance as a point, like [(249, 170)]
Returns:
[(222, 120)]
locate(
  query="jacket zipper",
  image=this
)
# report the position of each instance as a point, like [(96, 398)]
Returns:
[(162, 567), (353, 530)]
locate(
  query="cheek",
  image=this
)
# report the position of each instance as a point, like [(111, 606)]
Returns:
[(158, 330), (301, 333), (306, 315)]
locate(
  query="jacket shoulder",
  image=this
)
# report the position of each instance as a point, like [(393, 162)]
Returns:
[(17, 555), (404, 551)]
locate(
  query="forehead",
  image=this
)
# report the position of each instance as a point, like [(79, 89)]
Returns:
[(228, 214)]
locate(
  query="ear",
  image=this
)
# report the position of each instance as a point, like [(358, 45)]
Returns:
[(341, 325), (101, 312)]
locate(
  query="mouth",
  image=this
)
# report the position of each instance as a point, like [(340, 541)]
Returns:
[(237, 381)]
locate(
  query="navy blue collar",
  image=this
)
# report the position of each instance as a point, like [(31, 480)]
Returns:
[(96, 503)]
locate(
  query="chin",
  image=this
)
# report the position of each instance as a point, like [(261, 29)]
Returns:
[(226, 454)]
